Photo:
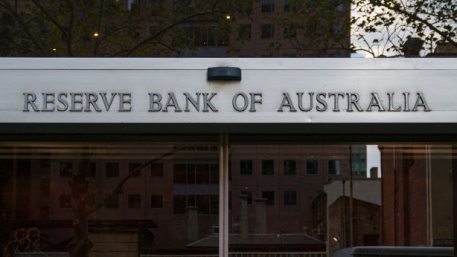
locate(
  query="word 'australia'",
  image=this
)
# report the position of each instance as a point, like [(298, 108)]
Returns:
[(352, 102)]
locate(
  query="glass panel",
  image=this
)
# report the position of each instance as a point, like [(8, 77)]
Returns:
[(268, 167), (109, 199), (332, 202), (290, 167), (268, 6)]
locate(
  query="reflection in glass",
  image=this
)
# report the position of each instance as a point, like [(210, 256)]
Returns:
[(334, 203), (108, 199)]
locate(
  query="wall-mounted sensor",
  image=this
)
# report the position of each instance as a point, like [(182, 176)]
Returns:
[(224, 74)]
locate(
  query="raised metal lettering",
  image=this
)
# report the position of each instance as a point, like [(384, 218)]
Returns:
[(353, 100), (320, 100), (406, 102), (125, 102), (207, 105), (107, 103), (391, 103), (172, 102), (155, 104), (420, 102), (300, 102), (336, 100), (235, 102), (194, 101), (74, 101), (286, 102), (375, 102), (254, 100), (29, 99), (91, 99), (61, 98)]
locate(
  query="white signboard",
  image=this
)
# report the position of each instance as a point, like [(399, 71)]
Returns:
[(270, 91)]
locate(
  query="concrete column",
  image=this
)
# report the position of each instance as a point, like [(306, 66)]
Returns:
[(192, 223), (244, 223), (260, 216)]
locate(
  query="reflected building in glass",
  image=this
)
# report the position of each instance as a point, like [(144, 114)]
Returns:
[(136, 199)]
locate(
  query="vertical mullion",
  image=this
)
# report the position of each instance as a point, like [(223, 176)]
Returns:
[(454, 193), (223, 195)]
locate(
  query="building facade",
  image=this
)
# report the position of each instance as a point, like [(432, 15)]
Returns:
[(181, 163)]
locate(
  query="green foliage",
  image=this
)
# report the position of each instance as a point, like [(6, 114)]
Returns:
[(390, 23), (164, 28), (44, 28)]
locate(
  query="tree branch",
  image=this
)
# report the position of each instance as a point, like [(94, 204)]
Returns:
[(99, 25), (47, 14), (24, 27), (162, 31), (419, 19), (70, 29)]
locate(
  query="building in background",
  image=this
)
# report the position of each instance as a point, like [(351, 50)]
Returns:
[(171, 206), (353, 213), (417, 195), (265, 28), (178, 28)]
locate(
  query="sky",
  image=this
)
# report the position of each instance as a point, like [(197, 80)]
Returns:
[(373, 159)]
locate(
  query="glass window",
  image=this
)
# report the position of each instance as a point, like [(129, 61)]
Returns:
[(134, 201), (200, 36), (334, 167), (91, 170), (246, 167), (157, 170), (359, 161), (244, 31), (267, 31), (340, 7), (156, 201), (289, 32), (269, 197), (290, 167), (290, 198), (312, 167), (191, 174), (180, 174), (322, 207), (268, 6), (183, 7), (112, 170), (286, 5), (123, 215), (214, 204), (213, 174), (268, 167), (134, 169), (202, 173), (66, 169)]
